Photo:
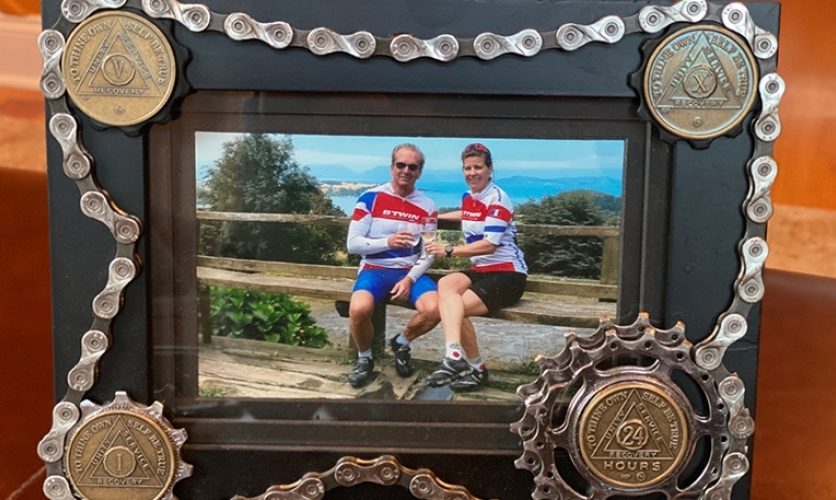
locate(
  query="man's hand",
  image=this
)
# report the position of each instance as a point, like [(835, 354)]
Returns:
[(401, 289), (401, 239)]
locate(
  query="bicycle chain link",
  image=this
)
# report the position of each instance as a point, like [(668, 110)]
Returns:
[(95, 202)]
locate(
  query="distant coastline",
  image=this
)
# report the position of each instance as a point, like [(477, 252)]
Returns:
[(344, 188), (520, 189)]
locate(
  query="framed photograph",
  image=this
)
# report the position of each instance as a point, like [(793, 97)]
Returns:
[(229, 166)]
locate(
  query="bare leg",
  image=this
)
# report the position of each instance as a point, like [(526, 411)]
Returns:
[(456, 303), (360, 311), (425, 319), (451, 307), (471, 349)]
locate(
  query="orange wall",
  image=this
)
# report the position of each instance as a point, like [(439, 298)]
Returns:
[(806, 150), (20, 6)]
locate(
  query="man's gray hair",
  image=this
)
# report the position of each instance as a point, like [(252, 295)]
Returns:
[(409, 145)]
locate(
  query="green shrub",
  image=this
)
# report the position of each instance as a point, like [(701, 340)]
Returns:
[(567, 256), (274, 317)]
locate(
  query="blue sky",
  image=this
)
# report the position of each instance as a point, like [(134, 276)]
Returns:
[(547, 158)]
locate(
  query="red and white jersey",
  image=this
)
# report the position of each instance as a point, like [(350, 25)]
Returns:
[(489, 215), (380, 213)]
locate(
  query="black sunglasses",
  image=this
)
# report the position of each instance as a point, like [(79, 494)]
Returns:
[(411, 166)]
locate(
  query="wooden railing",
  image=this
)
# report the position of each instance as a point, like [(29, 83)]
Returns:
[(608, 234), (544, 302)]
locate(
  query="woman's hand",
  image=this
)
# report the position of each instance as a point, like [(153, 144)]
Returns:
[(434, 248)]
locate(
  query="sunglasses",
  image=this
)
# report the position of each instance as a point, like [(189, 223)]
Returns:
[(411, 166)]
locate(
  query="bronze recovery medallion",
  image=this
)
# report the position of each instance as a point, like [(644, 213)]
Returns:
[(700, 82), (632, 435), (119, 68), (121, 454)]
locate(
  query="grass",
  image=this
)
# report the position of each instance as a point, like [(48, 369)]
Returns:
[(208, 391)]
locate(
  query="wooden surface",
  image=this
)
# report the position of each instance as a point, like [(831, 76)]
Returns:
[(537, 308), (806, 151), (795, 418), (26, 354), (803, 240), (580, 288)]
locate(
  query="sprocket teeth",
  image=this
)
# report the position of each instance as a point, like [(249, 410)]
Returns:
[(542, 436), (99, 432)]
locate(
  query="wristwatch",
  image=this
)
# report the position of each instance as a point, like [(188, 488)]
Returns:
[(449, 250)]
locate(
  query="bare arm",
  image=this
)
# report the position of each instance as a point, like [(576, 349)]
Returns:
[(481, 247), (455, 216)]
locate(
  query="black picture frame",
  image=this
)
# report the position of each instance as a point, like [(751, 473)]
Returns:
[(682, 224)]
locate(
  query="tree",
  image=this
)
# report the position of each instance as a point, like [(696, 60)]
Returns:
[(257, 173), (576, 256)]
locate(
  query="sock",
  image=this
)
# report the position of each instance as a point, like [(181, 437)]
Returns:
[(364, 354), (401, 340), (453, 350), (476, 364)]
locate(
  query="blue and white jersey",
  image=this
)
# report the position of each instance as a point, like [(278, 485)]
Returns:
[(380, 213), (489, 215)]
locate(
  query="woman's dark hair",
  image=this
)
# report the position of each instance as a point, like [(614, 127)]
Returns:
[(478, 149)]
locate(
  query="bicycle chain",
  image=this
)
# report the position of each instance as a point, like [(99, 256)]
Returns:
[(95, 202)]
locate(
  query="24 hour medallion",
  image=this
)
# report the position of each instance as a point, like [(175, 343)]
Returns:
[(633, 435)]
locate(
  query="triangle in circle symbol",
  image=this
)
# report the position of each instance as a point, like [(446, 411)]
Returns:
[(634, 410), (702, 77), (120, 460), (118, 68)]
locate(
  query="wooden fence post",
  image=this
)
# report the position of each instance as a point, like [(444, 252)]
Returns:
[(379, 325), (609, 261), (205, 318)]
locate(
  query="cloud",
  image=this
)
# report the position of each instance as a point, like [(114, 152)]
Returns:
[(209, 146)]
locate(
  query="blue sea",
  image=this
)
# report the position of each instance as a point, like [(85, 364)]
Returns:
[(520, 189)]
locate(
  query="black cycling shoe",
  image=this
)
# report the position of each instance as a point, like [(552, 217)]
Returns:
[(447, 371), (403, 357), (472, 380), (362, 372)]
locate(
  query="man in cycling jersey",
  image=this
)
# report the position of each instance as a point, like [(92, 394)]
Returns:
[(384, 232)]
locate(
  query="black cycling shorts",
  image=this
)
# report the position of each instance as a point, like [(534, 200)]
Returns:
[(497, 289)]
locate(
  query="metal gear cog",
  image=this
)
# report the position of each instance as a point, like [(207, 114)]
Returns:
[(122, 449), (636, 415), (657, 70)]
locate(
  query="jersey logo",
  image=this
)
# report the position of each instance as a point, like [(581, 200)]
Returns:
[(397, 214), (394, 208)]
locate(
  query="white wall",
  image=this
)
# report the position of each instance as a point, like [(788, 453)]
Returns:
[(20, 58)]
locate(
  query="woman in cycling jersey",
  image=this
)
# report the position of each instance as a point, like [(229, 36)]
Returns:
[(496, 278)]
